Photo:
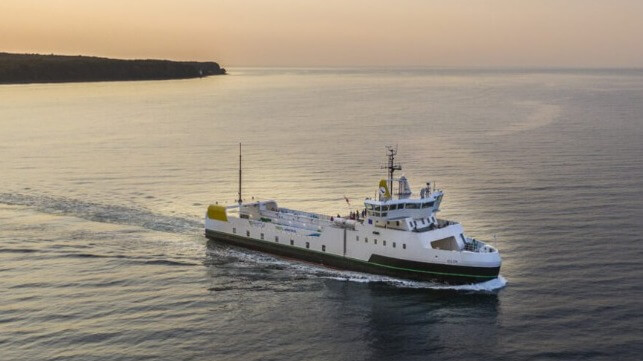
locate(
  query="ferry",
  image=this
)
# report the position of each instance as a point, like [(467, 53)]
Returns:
[(393, 234)]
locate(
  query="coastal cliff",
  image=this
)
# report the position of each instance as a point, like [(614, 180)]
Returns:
[(35, 68)]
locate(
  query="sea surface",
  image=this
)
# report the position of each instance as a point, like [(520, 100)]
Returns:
[(103, 188)]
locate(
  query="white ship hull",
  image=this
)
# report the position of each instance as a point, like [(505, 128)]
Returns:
[(362, 247)]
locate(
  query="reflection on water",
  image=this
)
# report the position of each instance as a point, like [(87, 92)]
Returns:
[(419, 322)]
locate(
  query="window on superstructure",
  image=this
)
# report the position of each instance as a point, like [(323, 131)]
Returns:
[(323, 248), (375, 241), (392, 207), (412, 205), (234, 230), (384, 214), (393, 244), (384, 208), (292, 243), (247, 233), (357, 238), (400, 206), (277, 239), (384, 243), (376, 214), (365, 239), (404, 245), (262, 236), (397, 223), (307, 244)]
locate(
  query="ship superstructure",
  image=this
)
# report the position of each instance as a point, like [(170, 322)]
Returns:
[(394, 234)]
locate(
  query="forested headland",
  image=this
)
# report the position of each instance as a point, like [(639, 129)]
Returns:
[(35, 68)]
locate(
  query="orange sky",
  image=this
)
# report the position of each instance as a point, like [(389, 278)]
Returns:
[(583, 33)]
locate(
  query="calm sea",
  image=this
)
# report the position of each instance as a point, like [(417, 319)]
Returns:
[(103, 187)]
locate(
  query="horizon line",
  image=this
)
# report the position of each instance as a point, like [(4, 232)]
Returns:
[(336, 66)]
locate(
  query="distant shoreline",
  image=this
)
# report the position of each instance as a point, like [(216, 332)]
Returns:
[(36, 68)]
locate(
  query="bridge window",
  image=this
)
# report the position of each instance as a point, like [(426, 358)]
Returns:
[(384, 208), (392, 207), (400, 206), (448, 243), (412, 205), (427, 204), (369, 206), (384, 214), (376, 214)]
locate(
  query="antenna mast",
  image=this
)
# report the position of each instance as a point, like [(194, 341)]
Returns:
[(239, 200), (391, 166)]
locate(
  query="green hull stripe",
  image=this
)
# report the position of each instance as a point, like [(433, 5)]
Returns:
[(431, 272)]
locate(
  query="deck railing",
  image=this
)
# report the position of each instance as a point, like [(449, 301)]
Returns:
[(472, 245)]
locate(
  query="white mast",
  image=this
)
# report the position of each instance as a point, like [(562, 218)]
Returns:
[(239, 200)]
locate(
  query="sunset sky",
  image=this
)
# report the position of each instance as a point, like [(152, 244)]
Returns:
[(570, 33)]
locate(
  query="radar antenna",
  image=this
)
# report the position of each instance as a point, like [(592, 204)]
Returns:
[(391, 166)]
